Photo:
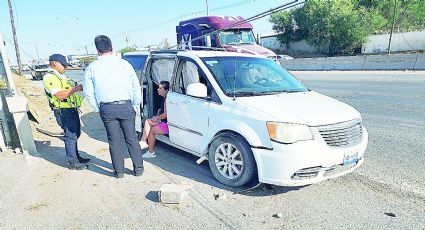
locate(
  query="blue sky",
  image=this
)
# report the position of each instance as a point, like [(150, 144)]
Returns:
[(67, 27)]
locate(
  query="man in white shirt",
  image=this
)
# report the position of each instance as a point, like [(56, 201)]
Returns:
[(112, 88)]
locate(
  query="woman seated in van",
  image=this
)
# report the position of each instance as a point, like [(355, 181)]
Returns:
[(157, 124)]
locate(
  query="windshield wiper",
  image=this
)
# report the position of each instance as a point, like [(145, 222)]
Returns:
[(280, 91), (244, 93), (273, 92), (294, 91)]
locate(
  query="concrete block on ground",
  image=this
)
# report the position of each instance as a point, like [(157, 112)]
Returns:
[(18, 107), (17, 104), (173, 193)]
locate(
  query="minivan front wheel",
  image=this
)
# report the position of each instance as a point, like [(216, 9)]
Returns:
[(231, 160)]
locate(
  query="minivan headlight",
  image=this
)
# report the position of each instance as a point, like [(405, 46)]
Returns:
[(288, 133)]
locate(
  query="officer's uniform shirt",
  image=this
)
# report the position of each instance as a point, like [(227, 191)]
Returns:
[(51, 82)]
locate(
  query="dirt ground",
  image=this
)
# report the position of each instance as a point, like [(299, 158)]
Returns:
[(39, 192)]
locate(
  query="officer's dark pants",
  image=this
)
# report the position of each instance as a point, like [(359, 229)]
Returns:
[(119, 120), (69, 121)]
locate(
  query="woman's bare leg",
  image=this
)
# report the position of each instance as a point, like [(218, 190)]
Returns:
[(146, 129), (151, 138)]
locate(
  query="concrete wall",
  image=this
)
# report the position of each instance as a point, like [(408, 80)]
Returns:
[(399, 42), (406, 41), (293, 48), (366, 62), (270, 43)]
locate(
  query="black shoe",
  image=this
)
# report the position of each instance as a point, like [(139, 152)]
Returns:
[(82, 159), (77, 166), (119, 175), (138, 172)]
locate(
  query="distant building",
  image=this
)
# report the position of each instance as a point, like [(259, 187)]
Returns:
[(270, 41), (75, 59)]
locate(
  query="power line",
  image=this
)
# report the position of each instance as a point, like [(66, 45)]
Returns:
[(10, 42), (180, 17)]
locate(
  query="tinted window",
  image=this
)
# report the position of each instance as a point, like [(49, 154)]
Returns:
[(137, 61), (236, 37)]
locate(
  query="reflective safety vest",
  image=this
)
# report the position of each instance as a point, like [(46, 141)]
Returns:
[(54, 81)]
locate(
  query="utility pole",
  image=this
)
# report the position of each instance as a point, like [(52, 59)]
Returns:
[(15, 39), (206, 2), (392, 28)]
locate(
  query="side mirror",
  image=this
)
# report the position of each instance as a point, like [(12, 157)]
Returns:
[(197, 90), (208, 41)]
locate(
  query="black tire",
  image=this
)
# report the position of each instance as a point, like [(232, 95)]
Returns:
[(243, 160)]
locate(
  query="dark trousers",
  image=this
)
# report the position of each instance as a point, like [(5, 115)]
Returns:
[(119, 122), (69, 121)]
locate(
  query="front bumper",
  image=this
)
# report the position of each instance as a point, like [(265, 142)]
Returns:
[(305, 162)]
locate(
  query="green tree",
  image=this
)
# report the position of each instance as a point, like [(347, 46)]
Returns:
[(340, 26), (290, 24), (127, 49), (89, 59), (410, 14)]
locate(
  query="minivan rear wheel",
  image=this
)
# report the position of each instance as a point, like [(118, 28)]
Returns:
[(231, 160)]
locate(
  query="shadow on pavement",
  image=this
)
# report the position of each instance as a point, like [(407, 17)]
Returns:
[(152, 196), (92, 125), (56, 155), (184, 164)]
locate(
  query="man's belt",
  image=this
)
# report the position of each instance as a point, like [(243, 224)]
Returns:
[(122, 102)]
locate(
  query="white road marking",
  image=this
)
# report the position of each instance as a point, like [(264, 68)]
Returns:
[(414, 126)]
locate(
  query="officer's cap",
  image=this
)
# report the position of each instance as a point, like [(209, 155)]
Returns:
[(59, 58)]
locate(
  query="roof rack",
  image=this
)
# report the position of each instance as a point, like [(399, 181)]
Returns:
[(175, 51), (204, 48)]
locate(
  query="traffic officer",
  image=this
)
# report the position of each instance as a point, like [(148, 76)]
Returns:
[(65, 102)]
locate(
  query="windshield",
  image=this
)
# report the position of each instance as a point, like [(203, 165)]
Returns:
[(250, 76), (236, 37)]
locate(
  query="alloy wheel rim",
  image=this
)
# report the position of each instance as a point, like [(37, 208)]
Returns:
[(228, 160)]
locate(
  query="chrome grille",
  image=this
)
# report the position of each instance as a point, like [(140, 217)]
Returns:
[(306, 173), (343, 134)]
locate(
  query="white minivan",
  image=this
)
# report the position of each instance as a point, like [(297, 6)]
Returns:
[(251, 119)]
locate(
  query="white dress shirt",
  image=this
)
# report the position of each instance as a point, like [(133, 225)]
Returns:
[(109, 79)]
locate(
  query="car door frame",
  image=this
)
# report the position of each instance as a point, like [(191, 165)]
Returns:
[(198, 138)]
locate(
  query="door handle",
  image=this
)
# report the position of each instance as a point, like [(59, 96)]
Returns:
[(173, 102)]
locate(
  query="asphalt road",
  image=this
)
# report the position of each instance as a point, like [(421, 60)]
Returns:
[(392, 105), (386, 192)]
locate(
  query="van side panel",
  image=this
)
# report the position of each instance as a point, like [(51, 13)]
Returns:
[(255, 133)]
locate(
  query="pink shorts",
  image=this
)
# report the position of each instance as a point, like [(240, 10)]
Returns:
[(163, 127)]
